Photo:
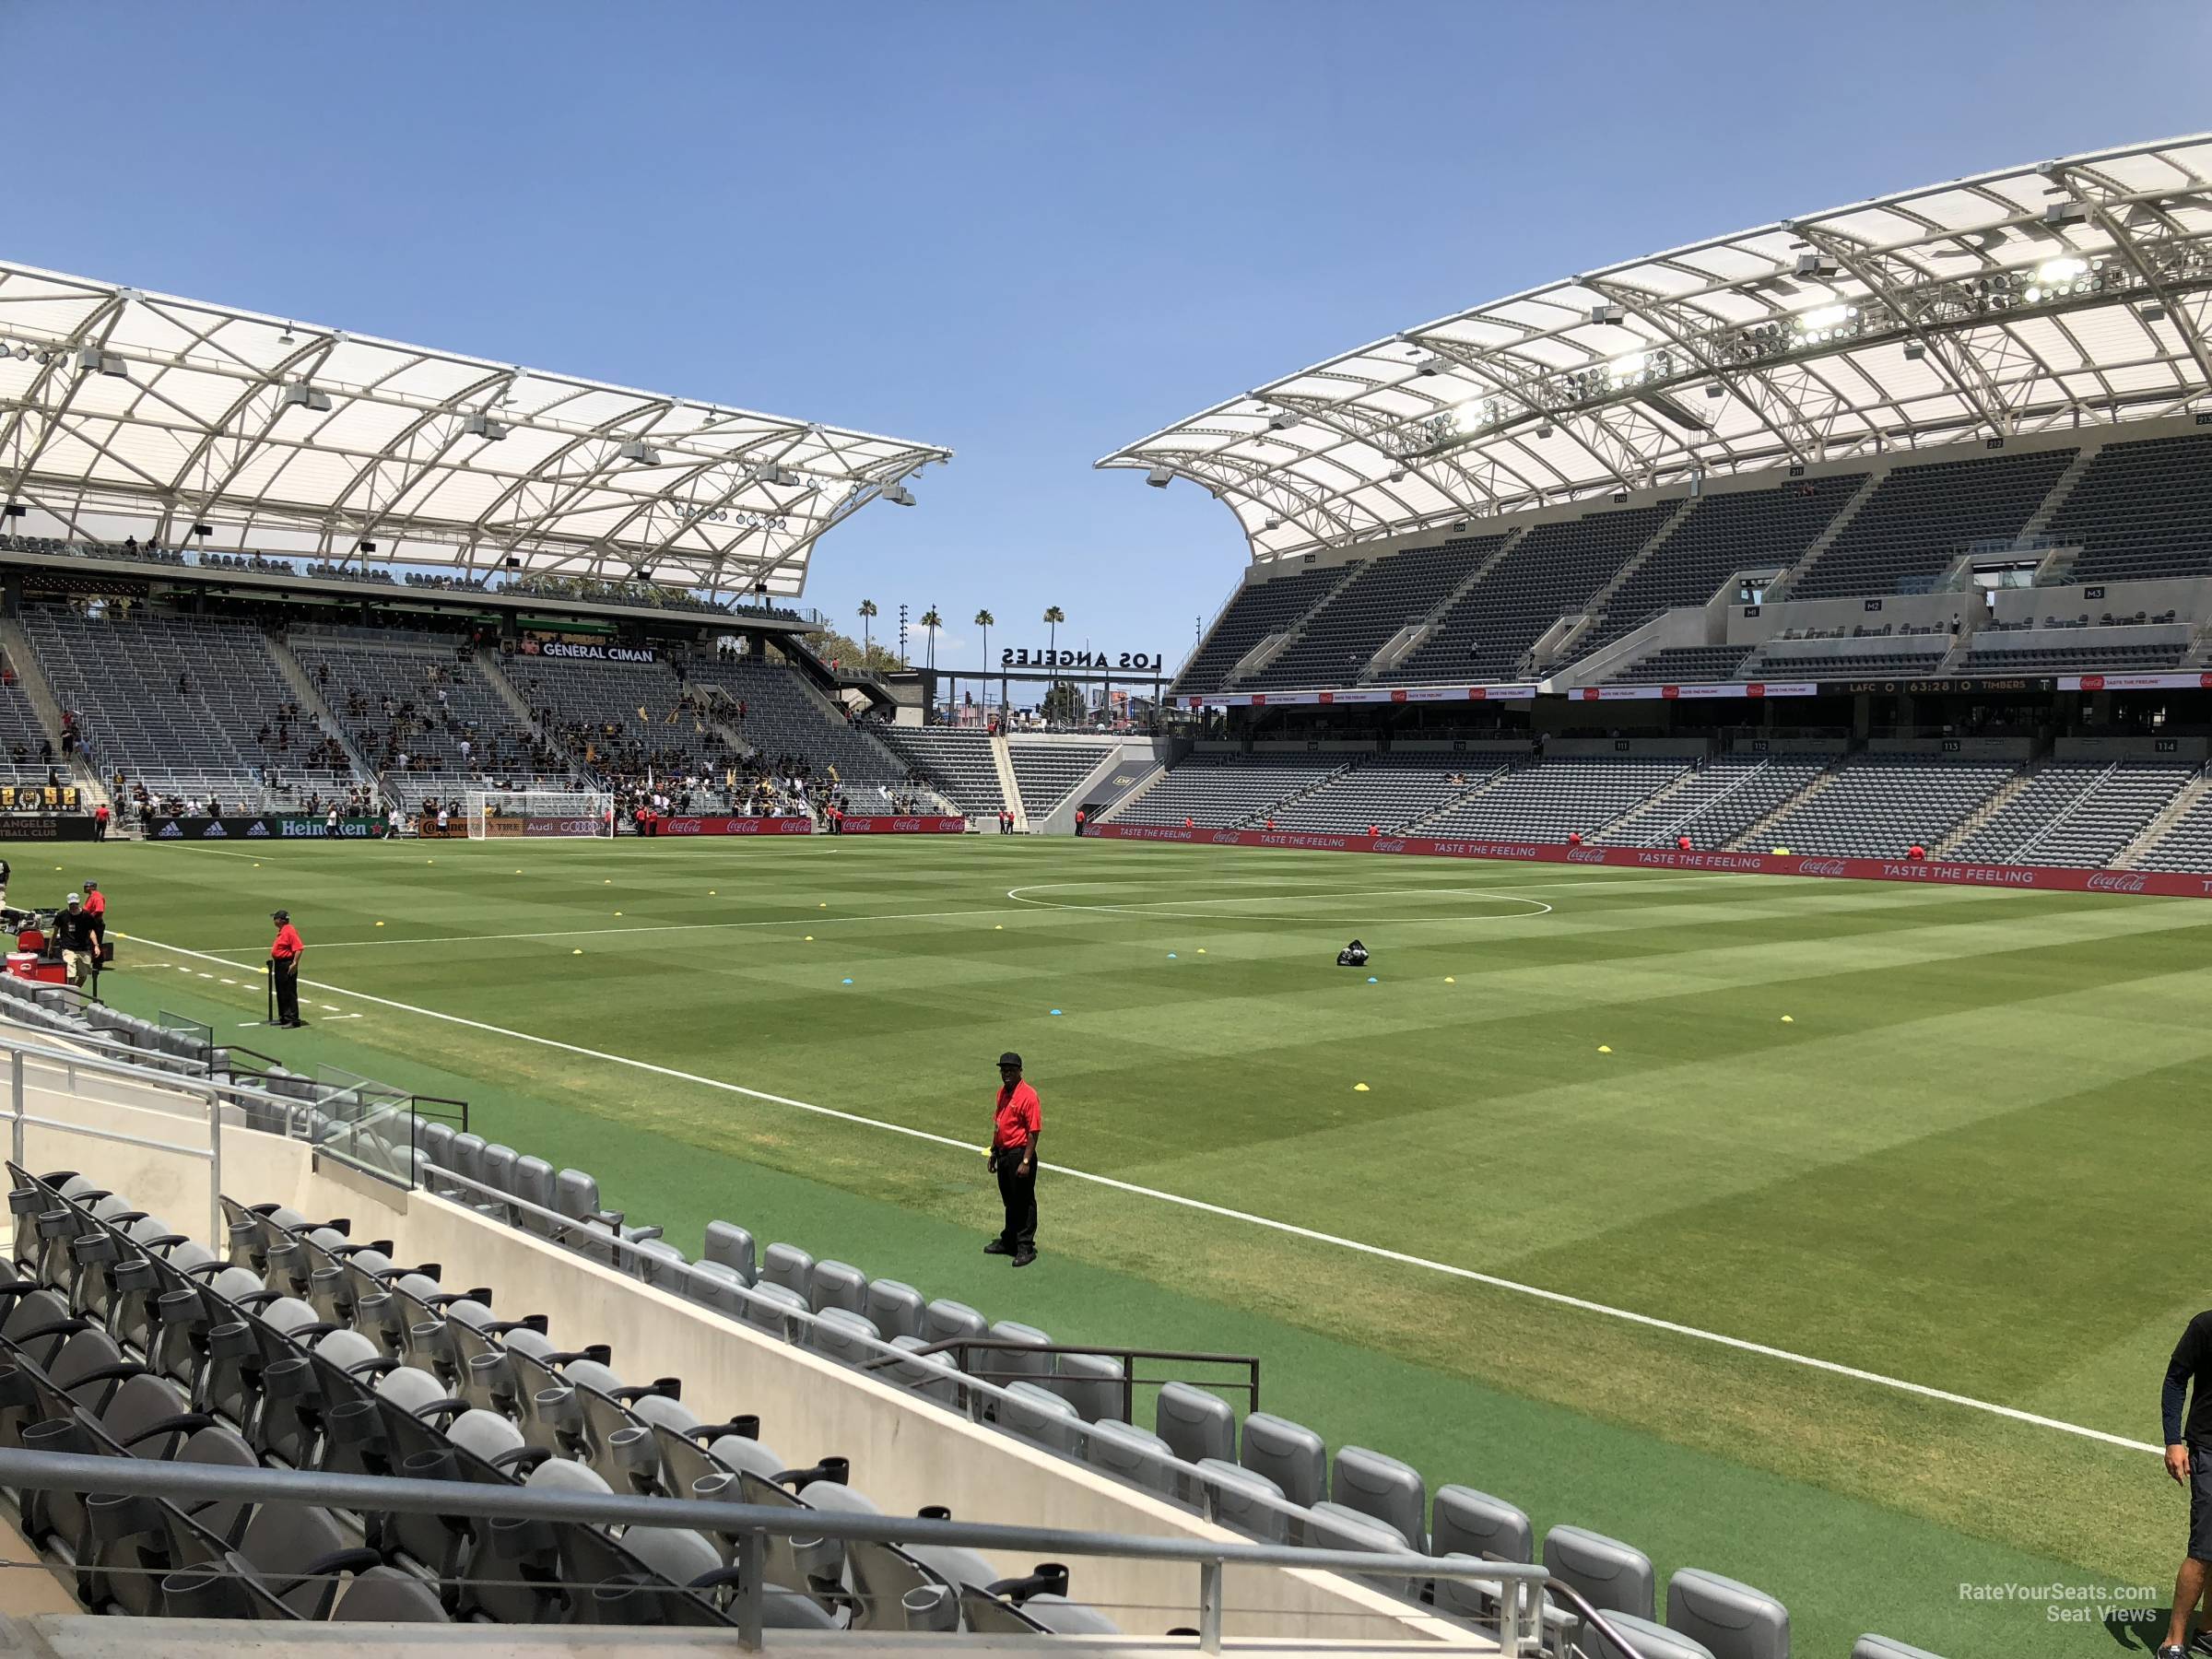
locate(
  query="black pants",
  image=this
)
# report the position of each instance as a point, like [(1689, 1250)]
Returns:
[(1019, 1194), (287, 978)]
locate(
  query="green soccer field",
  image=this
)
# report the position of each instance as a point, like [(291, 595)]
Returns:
[(1942, 1138)]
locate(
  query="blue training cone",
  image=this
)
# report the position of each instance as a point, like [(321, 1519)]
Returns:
[(1055, 1012), (845, 981), (1372, 979)]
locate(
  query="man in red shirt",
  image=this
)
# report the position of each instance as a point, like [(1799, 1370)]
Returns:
[(284, 969), (1015, 1122), (100, 821)]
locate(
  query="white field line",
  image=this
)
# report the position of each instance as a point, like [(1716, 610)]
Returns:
[(1558, 1299)]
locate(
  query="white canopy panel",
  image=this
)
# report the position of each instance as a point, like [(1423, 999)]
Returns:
[(2065, 293), (122, 408)]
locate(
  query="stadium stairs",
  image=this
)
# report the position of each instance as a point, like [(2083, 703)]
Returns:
[(1009, 788), (1758, 836), (2183, 806), (1456, 802), (303, 688), (37, 692)]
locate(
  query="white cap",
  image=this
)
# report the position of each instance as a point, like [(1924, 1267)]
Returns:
[(76, 897)]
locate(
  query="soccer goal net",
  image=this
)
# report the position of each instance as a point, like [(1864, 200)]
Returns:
[(496, 813)]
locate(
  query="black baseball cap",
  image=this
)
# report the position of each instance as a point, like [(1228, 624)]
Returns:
[(280, 915), (1010, 1058)]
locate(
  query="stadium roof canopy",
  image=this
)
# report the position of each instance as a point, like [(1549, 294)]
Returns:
[(121, 409), (2067, 292)]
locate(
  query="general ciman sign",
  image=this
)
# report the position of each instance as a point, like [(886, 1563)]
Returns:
[(1135, 661)]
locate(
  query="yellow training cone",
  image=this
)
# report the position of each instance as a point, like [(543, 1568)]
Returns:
[(1360, 1088), (1787, 1020), (380, 924), (576, 952), (809, 938), (1450, 981), (998, 927), (1603, 1049), (1201, 950), (618, 912), (709, 892), (824, 905)]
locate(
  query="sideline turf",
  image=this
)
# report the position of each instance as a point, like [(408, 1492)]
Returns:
[(1934, 1171)]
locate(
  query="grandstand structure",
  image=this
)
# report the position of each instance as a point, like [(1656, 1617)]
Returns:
[(1883, 526)]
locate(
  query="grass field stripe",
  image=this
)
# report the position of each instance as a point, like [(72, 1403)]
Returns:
[(1381, 1253), (583, 933)]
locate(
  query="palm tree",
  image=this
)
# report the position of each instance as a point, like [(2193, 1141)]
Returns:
[(1054, 616), (987, 621), (867, 614), (931, 622)]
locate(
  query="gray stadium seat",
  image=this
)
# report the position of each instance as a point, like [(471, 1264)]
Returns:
[(1289, 1453), (931, 1376), (788, 1265), (1034, 1414), (1135, 1454), (498, 1164), (732, 1246), (838, 1285), (534, 1184), (720, 1288), (1197, 1424), (1465, 1522), (658, 1263), (846, 1337), (1734, 1620), (468, 1156), (942, 1321), (1002, 1365), (1611, 1576), (1237, 1496), (1384, 1489), (1329, 1525), (770, 1306), (1092, 1384), (1652, 1639), (897, 1309)]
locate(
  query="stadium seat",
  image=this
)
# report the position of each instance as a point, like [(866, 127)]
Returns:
[(943, 1320), (720, 1288), (1092, 1384), (898, 1309), (1651, 1638), (1250, 1503), (1328, 1525), (1733, 1620), (1135, 1454), (788, 1265), (1198, 1425), (732, 1247), (1382, 1488), (1036, 1414), (1289, 1453), (847, 1337), (1871, 1646), (768, 1306), (1611, 1576), (1465, 1521), (1003, 1364), (837, 1285)]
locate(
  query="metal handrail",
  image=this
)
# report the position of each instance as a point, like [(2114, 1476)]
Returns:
[(958, 1348), (1517, 1585)]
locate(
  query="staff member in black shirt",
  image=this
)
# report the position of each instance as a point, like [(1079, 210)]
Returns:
[(74, 933), (2189, 1461), (4, 873)]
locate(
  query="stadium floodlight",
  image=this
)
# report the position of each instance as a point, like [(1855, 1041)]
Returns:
[(898, 495), (300, 395), (1474, 414), (1432, 364), (2065, 213), (1282, 420), (1608, 314), (641, 454), (22, 354), (1159, 477), (484, 427), (1817, 265), (92, 361), (1628, 366)]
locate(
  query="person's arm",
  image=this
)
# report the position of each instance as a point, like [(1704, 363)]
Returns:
[(2174, 1395)]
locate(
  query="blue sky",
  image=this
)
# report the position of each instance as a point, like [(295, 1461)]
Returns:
[(1031, 232)]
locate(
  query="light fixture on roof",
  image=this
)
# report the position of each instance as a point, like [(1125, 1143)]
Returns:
[(1432, 364), (287, 337), (484, 427), (2065, 213), (776, 473), (93, 361), (1826, 322), (898, 495), (1817, 265), (1608, 314), (1546, 431), (300, 395), (1159, 477), (2152, 311), (1272, 523), (643, 454), (1282, 420), (22, 354), (1398, 476), (1915, 350)]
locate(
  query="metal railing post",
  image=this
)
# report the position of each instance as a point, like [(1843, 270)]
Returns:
[(216, 1230), (14, 1090), (752, 1568), (1210, 1606)]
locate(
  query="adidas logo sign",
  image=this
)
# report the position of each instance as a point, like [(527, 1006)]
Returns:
[(258, 829), (215, 833), (170, 831)]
